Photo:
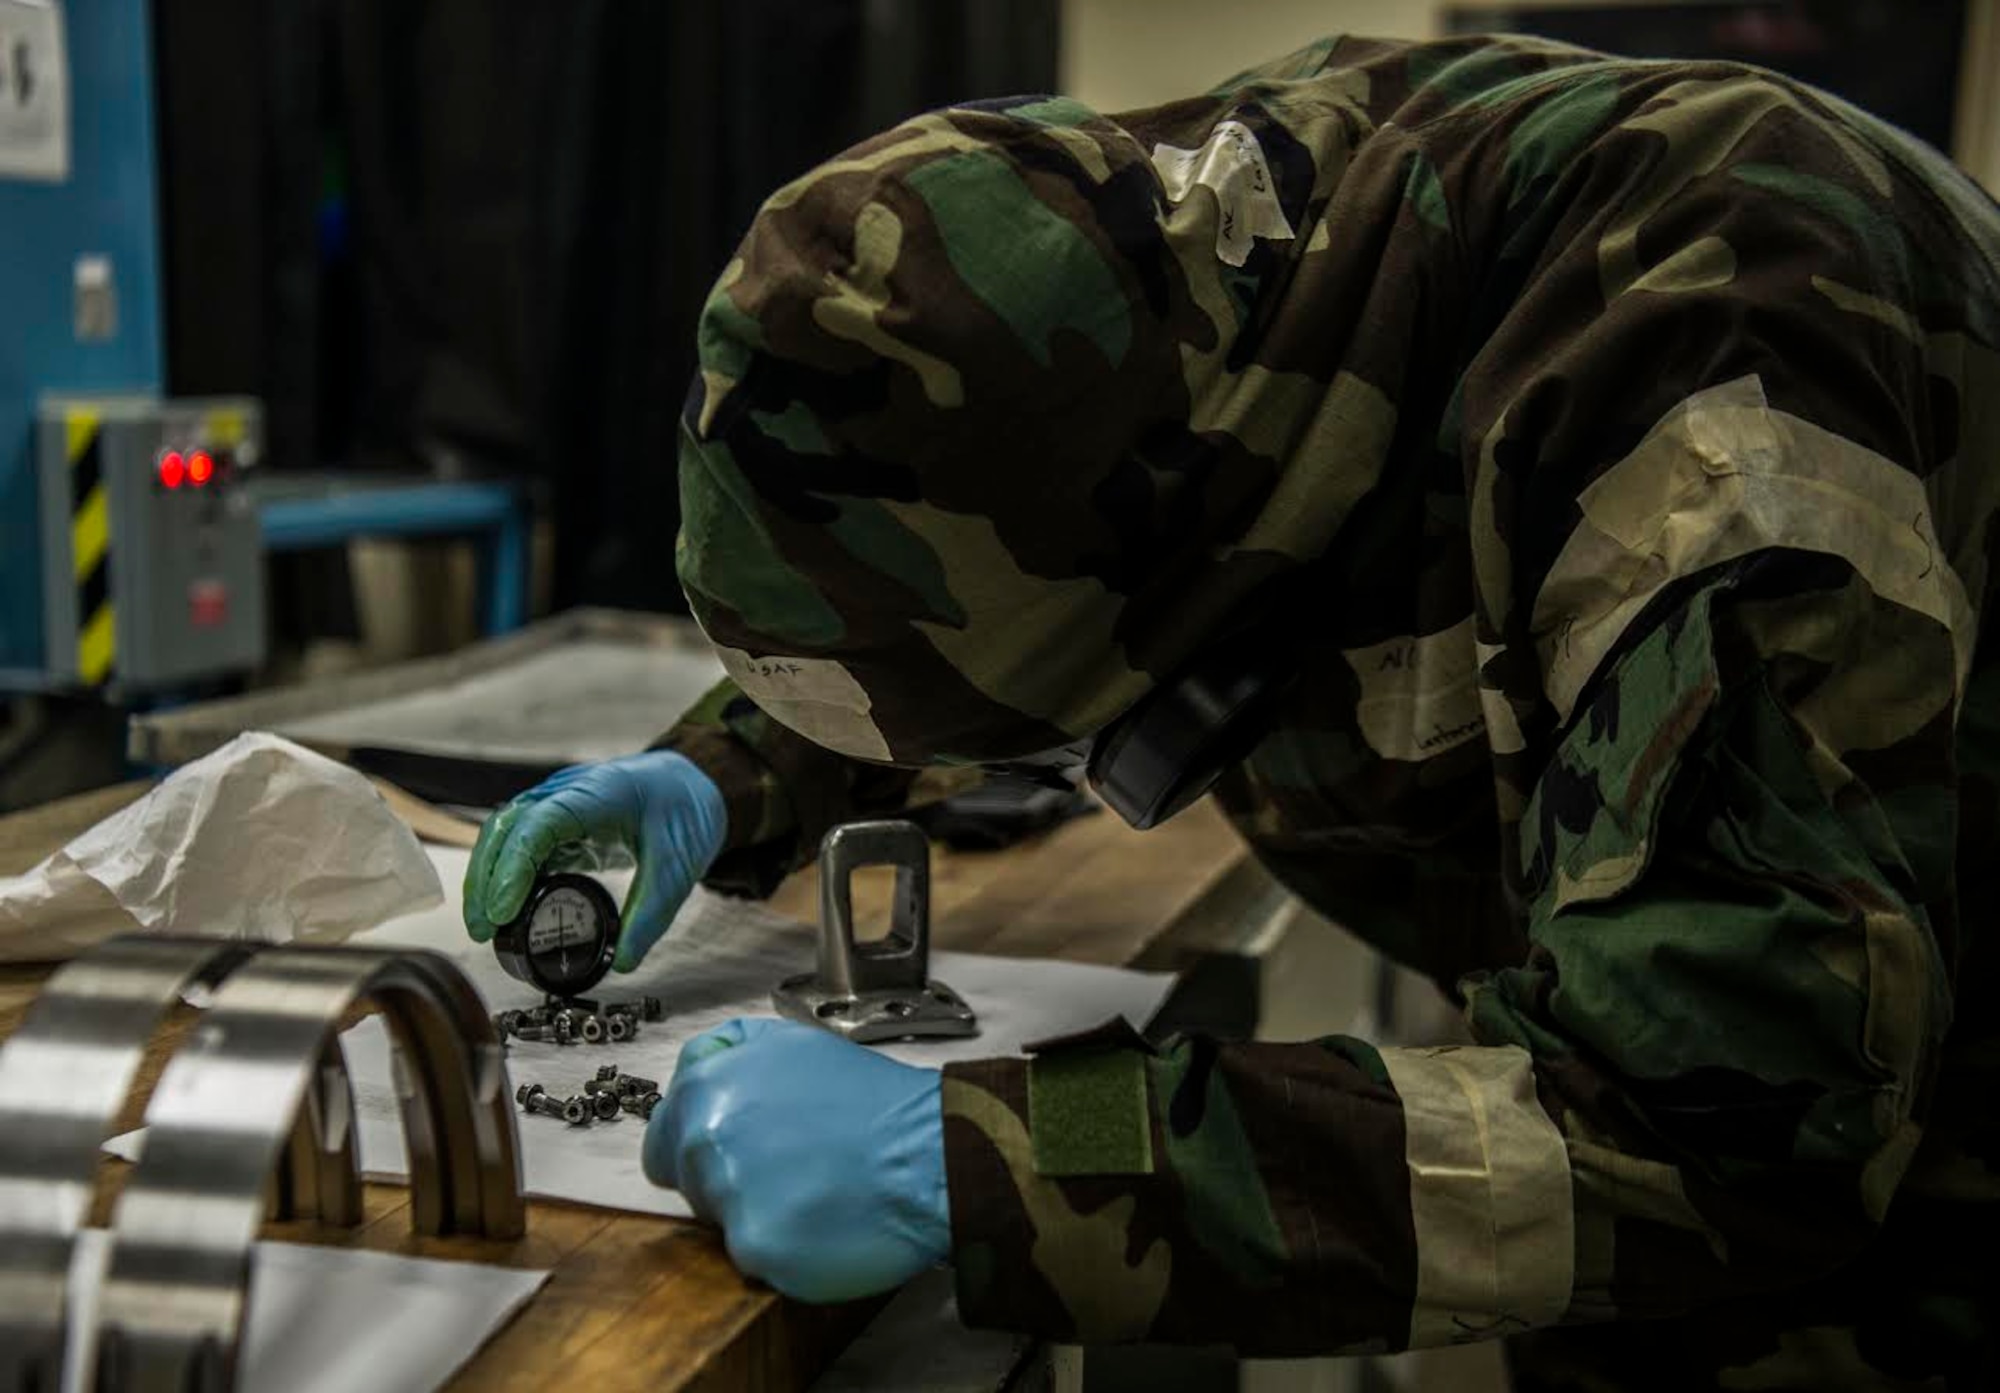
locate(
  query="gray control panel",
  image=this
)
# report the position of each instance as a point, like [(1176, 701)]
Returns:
[(153, 562)]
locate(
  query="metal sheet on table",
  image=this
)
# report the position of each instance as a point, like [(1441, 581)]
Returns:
[(588, 700), (586, 685)]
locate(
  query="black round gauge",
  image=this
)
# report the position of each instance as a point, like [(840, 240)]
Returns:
[(565, 937)]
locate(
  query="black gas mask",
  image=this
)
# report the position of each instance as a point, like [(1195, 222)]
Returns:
[(1176, 741)]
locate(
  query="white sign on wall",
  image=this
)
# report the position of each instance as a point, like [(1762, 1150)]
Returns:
[(34, 92)]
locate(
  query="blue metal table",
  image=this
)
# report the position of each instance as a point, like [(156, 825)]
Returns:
[(305, 512)]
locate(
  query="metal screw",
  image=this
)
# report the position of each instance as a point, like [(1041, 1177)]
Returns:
[(620, 1029), (535, 1032), (591, 1028), (576, 1112), (565, 1030), (632, 1083), (605, 1105), (534, 1098), (640, 1104), (606, 1072), (594, 1088)]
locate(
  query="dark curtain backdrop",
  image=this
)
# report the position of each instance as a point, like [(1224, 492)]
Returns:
[(1897, 58), (464, 238)]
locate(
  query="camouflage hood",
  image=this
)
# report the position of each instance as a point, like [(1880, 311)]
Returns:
[(984, 443)]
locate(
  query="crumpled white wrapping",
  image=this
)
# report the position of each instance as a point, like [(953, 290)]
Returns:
[(261, 840)]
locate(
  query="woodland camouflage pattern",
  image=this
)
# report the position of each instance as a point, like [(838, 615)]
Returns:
[(1622, 443)]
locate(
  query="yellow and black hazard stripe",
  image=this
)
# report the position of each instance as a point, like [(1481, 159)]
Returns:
[(90, 550)]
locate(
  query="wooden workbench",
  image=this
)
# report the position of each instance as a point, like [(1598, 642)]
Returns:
[(653, 1305)]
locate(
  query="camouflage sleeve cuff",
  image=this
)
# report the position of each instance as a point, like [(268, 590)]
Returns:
[(757, 850), (1294, 1199), (782, 791), (724, 733)]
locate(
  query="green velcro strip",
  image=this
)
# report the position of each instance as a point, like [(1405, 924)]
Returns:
[(1087, 1113)]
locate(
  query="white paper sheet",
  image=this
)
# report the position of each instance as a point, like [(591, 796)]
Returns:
[(336, 1320), (262, 839), (720, 960), (34, 92)]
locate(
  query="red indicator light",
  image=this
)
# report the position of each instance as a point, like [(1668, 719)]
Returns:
[(201, 468), (173, 469)]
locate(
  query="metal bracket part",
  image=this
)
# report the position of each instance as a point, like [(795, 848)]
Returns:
[(881, 990)]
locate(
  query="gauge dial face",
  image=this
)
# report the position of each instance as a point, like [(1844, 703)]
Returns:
[(564, 941), (564, 933)]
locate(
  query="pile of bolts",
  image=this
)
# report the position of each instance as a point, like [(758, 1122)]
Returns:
[(578, 1022), (604, 1097)]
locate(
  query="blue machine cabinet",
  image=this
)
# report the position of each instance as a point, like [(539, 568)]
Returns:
[(54, 237)]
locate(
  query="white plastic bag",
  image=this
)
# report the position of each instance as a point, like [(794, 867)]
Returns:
[(262, 840)]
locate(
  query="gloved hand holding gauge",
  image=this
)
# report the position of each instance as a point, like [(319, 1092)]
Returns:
[(658, 806)]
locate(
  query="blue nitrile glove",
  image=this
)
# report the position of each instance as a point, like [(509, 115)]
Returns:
[(822, 1161), (659, 806)]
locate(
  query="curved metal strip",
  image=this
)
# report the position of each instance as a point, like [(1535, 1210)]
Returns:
[(64, 1077), (480, 1073), (320, 1178), (175, 1291)]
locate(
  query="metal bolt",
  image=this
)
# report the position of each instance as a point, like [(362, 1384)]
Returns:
[(605, 1105), (593, 1088), (535, 1032), (591, 1028), (534, 1098), (620, 1029), (507, 1022), (650, 1008), (606, 1072), (631, 1083), (640, 1104), (565, 1029)]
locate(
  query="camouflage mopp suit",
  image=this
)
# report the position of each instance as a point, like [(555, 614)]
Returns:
[(1619, 443)]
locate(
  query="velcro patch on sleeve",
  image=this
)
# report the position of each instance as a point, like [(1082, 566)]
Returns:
[(1088, 1114)]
